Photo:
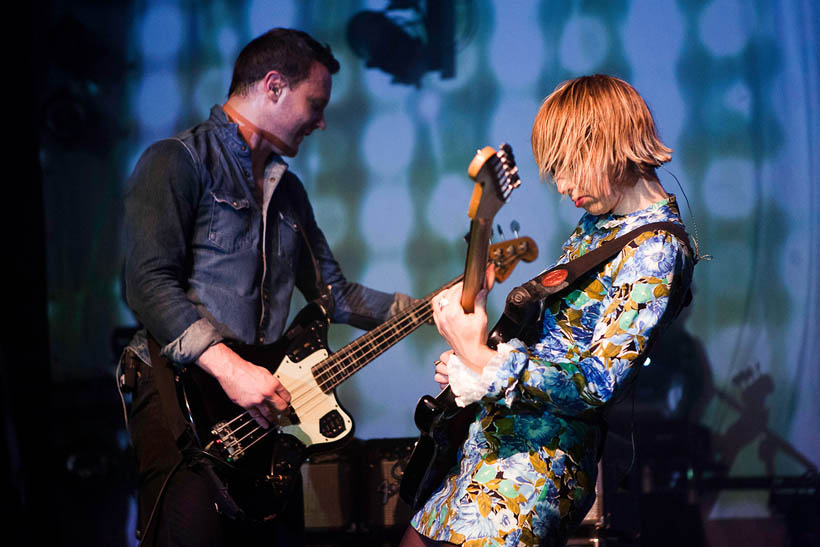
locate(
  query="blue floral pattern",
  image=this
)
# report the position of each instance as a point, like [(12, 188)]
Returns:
[(528, 468)]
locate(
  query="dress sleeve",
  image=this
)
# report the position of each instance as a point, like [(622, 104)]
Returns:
[(584, 378)]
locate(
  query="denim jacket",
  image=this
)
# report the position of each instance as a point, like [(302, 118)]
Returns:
[(208, 260)]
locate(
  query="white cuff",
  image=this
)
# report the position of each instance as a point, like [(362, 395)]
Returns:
[(468, 385)]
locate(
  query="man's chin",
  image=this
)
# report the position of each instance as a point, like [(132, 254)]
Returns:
[(290, 149)]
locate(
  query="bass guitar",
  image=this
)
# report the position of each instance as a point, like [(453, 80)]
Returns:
[(257, 467), (442, 424)]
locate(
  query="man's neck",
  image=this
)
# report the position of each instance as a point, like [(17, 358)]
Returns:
[(259, 140)]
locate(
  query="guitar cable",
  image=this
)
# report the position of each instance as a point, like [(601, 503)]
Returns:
[(144, 533), (119, 376), (698, 256)]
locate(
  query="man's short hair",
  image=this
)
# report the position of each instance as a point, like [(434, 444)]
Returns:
[(288, 51), (596, 130)]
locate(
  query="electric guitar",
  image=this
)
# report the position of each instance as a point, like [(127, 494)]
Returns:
[(258, 467), (443, 425)]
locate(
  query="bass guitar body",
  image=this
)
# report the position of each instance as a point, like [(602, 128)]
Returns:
[(258, 467)]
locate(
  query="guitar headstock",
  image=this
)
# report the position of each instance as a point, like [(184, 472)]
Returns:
[(506, 254), (496, 176)]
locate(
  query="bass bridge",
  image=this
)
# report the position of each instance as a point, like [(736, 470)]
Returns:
[(232, 439)]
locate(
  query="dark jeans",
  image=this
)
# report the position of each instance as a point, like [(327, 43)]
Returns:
[(184, 509)]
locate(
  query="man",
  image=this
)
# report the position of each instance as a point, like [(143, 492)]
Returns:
[(218, 233)]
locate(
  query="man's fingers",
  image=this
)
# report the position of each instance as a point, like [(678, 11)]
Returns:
[(284, 394), (255, 414), (278, 403), (268, 411)]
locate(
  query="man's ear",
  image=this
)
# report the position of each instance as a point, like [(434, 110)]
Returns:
[(273, 83)]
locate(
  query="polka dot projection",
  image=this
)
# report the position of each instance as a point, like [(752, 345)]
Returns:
[(725, 27), (729, 185), (388, 143), (447, 207), (731, 86), (381, 227), (158, 101), (512, 60), (584, 44), (162, 33), (264, 14)]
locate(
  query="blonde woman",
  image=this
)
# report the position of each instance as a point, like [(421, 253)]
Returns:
[(528, 467)]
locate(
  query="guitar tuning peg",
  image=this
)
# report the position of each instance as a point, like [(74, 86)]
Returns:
[(514, 226), (500, 231)]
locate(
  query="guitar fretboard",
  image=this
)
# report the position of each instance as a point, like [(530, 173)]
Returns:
[(344, 363)]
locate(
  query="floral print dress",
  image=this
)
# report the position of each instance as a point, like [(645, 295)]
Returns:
[(527, 471)]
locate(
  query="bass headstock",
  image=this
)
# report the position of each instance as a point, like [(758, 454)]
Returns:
[(505, 255)]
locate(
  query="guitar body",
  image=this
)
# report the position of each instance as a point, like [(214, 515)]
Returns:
[(443, 427), (259, 468)]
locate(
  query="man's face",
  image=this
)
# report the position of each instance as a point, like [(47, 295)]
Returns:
[(301, 108)]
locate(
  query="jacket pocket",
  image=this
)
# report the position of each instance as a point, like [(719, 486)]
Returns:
[(230, 227), (290, 239)]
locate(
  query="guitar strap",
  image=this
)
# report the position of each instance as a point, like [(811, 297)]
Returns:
[(527, 301)]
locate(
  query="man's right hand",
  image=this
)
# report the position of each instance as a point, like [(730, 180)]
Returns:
[(252, 387)]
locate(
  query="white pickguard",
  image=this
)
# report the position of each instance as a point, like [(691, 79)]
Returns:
[(308, 401)]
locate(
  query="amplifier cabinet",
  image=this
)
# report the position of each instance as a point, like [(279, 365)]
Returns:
[(357, 488), (327, 487), (385, 461)]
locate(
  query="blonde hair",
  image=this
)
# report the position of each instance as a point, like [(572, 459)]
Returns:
[(598, 131)]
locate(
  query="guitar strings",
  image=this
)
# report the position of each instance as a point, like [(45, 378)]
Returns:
[(336, 366), (364, 346), (386, 334), (317, 398), (246, 419), (374, 345), (354, 353)]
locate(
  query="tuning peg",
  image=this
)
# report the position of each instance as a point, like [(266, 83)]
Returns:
[(500, 231), (514, 226)]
